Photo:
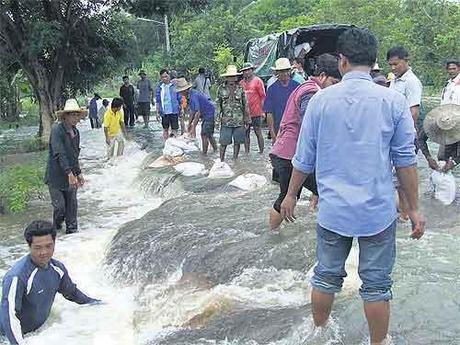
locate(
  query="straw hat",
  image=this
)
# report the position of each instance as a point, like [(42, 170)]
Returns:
[(246, 66), (282, 64), (71, 106), (232, 71), (442, 124), (182, 84)]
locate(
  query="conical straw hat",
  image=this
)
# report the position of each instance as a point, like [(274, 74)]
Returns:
[(442, 124)]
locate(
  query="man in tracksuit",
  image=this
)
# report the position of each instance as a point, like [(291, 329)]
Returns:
[(30, 286)]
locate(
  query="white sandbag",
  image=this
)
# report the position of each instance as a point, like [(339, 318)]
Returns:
[(172, 151), (444, 187), (165, 161), (186, 145), (249, 181), (220, 170), (190, 168)]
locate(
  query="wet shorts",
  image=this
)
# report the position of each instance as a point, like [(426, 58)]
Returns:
[(256, 122), (238, 134), (143, 109), (282, 169), (207, 128), (170, 120), (377, 255)]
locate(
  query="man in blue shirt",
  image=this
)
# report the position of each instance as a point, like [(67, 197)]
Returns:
[(278, 94), (30, 286), (92, 110), (168, 104), (352, 134), (200, 107)]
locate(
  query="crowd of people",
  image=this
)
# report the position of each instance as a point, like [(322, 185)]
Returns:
[(347, 133)]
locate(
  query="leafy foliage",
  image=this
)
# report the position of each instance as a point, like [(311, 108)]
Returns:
[(18, 184)]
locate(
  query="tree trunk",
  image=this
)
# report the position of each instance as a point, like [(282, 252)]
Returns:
[(47, 89)]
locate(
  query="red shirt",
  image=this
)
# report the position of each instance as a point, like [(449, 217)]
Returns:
[(255, 95)]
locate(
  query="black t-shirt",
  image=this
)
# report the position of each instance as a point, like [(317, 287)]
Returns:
[(127, 93)]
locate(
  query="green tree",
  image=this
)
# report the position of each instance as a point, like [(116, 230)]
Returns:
[(63, 46)]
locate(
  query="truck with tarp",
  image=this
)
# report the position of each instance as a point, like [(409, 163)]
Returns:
[(304, 42)]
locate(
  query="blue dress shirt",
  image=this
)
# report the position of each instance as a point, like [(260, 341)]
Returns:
[(351, 135)]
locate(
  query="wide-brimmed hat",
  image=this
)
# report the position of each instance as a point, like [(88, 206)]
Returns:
[(71, 106), (232, 71), (182, 84), (142, 72), (246, 66), (442, 124), (376, 67), (282, 64)]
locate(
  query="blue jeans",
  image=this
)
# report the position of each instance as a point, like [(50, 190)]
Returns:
[(376, 259)]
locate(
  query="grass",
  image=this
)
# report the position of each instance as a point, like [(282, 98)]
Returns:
[(20, 183)]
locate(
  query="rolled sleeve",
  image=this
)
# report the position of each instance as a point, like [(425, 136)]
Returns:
[(402, 144), (305, 154)]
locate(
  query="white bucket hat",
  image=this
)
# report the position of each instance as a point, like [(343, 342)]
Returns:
[(232, 71), (442, 124), (282, 64)]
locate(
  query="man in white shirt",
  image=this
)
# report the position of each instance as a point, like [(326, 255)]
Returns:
[(406, 83), (451, 92)]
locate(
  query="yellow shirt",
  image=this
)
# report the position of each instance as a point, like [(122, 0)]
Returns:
[(112, 121)]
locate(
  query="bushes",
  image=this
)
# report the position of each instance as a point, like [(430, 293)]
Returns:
[(20, 183)]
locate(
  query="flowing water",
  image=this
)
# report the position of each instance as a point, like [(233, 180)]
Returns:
[(188, 260)]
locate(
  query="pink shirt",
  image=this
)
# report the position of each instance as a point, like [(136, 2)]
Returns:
[(255, 95), (286, 140)]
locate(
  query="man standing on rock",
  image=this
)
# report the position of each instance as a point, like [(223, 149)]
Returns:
[(255, 94), (234, 119), (63, 174), (145, 88), (127, 93), (351, 136), (168, 102)]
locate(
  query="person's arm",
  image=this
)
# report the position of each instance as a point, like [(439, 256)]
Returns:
[(158, 100), (268, 108), (121, 93), (303, 161), (150, 91), (13, 291), (106, 129), (245, 108), (453, 156), (423, 145), (402, 152), (69, 289), (261, 91)]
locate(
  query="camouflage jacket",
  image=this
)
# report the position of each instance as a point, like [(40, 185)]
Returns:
[(232, 108)]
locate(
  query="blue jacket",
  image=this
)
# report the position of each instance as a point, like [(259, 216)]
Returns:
[(93, 108), (28, 294), (176, 99)]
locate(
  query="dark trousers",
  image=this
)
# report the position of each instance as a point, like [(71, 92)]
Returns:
[(282, 171), (129, 114), (64, 208), (95, 123)]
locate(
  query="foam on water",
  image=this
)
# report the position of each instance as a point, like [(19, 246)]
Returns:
[(108, 200)]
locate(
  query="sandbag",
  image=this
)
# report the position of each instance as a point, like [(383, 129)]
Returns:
[(444, 187), (186, 145), (164, 161), (220, 170), (190, 168), (249, 182)]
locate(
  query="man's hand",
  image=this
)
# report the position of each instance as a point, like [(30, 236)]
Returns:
[(448, 166), (158, 117), (73, 181), (418, 225), (433, 164), (107, 141), (81, 180), (287, 208)]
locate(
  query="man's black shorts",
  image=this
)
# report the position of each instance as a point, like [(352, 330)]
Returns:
[(170, 120), (143, 108)]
